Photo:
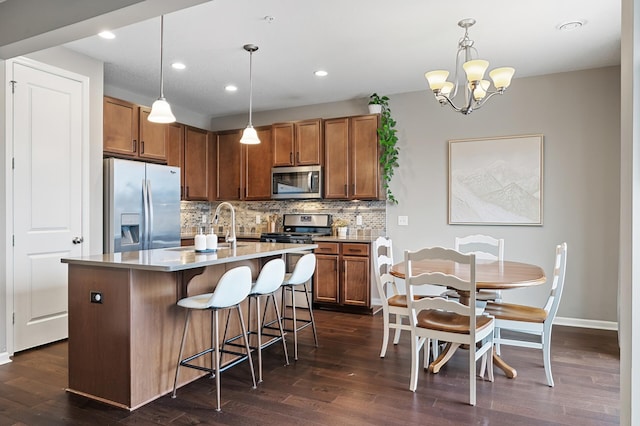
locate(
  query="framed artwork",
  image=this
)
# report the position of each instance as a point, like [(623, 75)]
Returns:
[(496, 181)]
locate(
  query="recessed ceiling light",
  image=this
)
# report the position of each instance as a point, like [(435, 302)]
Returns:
[(178, 65), (230, 88), (107, 35), (571, 25), (321, 73)]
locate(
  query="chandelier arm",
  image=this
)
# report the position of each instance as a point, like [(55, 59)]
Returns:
[(487, 97), (443, 98)]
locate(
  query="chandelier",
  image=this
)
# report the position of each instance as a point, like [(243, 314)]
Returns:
[(476, 88)]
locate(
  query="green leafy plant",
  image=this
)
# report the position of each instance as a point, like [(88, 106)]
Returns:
[(388, 141)]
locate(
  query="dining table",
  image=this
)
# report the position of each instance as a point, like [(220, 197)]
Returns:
[(490, 275)]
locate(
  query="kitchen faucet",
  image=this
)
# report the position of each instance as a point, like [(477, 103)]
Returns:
[(229, 239)]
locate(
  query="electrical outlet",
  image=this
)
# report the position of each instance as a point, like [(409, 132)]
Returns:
[(359, 220), (258, 219), (95, 297), (403, 220)]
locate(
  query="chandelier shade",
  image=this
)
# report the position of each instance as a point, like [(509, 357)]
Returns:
[(161, 110), (249, 135), (475, 87)]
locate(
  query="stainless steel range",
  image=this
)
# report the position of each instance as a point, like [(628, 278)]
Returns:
[(300, 228)]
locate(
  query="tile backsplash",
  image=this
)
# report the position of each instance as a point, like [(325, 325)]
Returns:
[(373, 214)]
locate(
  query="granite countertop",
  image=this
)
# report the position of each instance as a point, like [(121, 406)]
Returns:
[(181, 258)]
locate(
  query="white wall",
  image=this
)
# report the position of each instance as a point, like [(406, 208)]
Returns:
[(580, 120)]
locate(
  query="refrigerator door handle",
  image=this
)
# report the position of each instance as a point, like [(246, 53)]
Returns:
[(145, 224), (150, 215)]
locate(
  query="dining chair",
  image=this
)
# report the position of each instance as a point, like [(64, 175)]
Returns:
[(394, 302), (485, 247), (446, 319), (531, 319)]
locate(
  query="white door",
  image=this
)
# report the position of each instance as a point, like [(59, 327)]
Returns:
[(47, 198)]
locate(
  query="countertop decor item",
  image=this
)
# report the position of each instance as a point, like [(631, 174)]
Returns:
[(388, 139), (475, 87), (340, 225)]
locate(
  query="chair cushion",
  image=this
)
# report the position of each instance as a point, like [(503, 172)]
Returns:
[(449, 321), (513, 312)]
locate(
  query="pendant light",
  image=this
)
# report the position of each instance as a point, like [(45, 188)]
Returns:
[(250, 136), (161, 110)]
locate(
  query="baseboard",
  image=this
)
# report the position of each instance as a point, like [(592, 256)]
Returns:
[(585, 323), (4, 358)]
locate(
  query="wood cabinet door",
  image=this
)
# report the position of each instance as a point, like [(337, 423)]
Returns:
[(175, 150), (308, 142), (257, 167), (355, 281), (336, 158), (120, 127), (228, 165), (196, 164), (364, 157), (153, 143), (326, 279), (283, 148)]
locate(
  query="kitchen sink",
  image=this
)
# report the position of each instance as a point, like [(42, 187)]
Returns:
[(221, 246)]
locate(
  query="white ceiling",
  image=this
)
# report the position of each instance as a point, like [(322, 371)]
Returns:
[(366, 46)]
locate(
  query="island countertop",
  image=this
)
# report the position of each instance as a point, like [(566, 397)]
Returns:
[(182, 258)]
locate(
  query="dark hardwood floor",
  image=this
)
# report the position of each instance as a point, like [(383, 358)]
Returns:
[(344, 382)]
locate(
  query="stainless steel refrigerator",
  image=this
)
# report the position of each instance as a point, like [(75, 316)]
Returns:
[(141, 206)]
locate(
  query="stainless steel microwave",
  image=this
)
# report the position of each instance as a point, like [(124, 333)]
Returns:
[(296, 182)]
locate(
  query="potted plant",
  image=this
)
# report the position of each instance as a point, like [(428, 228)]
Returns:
[(388, 140), (341, 227), (375, 103)]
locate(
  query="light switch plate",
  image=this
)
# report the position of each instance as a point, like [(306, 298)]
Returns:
[(258, 219), (359, 220), (403, 220)]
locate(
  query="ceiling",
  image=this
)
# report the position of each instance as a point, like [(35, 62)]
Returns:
[(366, 46)]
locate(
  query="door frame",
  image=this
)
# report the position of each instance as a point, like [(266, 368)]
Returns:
[(9, 183)]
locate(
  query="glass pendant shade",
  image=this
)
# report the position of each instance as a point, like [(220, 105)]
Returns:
[(481, 90), (161, 112), (250, 136), (475, 69), (502, 77), (436, 79)]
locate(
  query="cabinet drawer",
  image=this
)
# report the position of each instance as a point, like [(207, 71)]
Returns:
[(355, 249), (327, 248)]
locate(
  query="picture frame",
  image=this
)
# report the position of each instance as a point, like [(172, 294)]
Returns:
[(496, 181)]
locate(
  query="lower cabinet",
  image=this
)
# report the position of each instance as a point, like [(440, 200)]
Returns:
[(342, 280)]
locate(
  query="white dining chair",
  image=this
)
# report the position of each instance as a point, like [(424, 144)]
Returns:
[(394, 302), (446, 319), (530, 319), (485, 247)]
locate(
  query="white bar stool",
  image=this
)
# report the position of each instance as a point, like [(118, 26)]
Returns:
[(302, 273), (268, 282), (233, 287)]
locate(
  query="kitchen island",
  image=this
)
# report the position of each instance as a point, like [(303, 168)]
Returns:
[(124, 324)]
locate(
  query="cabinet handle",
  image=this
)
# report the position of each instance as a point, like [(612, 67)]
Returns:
[(291, 157), (345, 189), (141, 147), (181, 191), (135, 145), (187, 192), (298, 157), (238, 193)]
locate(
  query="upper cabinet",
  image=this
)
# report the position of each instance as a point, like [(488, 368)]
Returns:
[(197, 164), (298, 143), (244, 171), (352, 169), (128, 133)]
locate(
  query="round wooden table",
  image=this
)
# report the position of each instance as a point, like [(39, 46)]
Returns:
[(490, 275)]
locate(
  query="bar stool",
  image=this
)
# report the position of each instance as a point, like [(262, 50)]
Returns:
[(302, 273), (233, 287), (268, 282)]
